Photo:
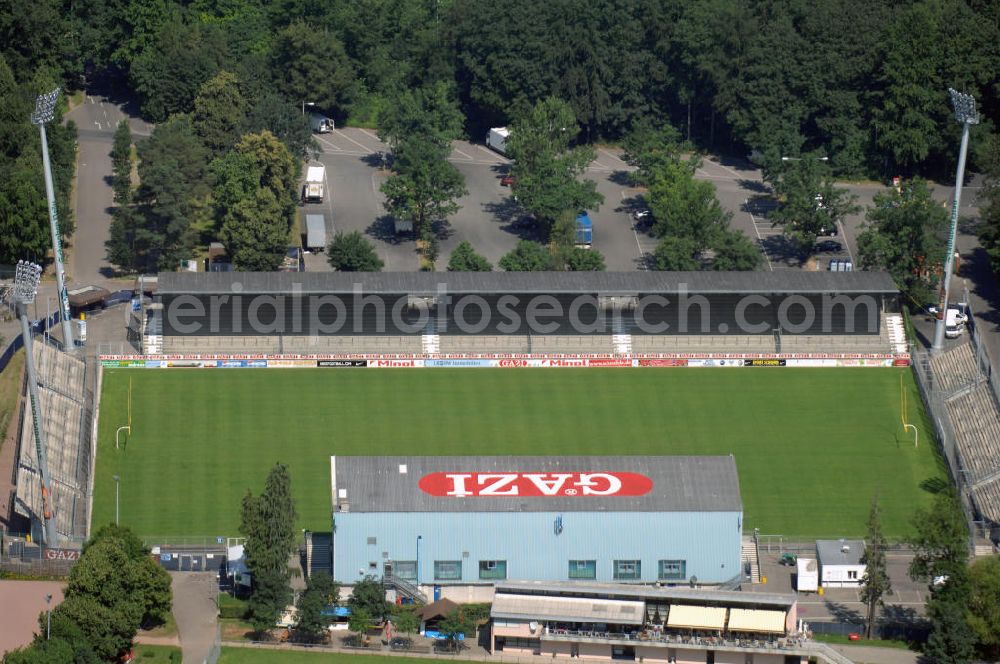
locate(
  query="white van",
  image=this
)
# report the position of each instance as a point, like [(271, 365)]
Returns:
[(954, 323)]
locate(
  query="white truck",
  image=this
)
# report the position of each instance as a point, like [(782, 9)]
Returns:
[(312, 190), (496, 139), (315, 232), (807, 577), (320, 123)]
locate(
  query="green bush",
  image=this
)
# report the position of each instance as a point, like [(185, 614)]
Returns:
[(175, 657)]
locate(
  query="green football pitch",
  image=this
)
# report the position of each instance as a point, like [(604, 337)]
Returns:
[(812, 446)]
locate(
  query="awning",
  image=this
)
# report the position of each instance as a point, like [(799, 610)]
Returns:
[(696, 617), (755, 620), (566, 609)]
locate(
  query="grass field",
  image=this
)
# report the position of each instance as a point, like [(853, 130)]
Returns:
[(812, 445)]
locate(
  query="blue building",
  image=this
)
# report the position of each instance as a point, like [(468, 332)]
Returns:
[(479, 520)]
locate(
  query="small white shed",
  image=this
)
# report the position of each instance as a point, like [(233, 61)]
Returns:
[(840, 563)]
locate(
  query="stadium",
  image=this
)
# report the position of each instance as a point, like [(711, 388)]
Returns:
[(180, 448)]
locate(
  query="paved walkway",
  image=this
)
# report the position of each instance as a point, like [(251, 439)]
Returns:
[(874, 655), (196, 613)]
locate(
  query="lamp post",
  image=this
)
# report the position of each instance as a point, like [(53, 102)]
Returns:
[(419, 537), (48, 616), (306, 103), (26, 277), (965, 112), (117, 484), (803, 159), (45, 106)]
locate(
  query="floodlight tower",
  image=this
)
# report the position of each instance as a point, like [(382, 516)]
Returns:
[(965, 112), (45, 106), (26, 278)]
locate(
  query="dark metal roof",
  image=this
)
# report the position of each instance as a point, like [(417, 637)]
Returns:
[(680, 484), (605, 283), (649, 593), (831, 552)]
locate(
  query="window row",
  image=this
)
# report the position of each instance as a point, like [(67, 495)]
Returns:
[(496, 570)]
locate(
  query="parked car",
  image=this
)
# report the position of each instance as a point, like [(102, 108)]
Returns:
[(507, 181), (642, 214)]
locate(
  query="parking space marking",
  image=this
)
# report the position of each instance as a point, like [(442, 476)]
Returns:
[(760, 240), (326, 142), (847, 241), (613, 156), (726, 168), (467, 157), (363, 147), (497, 159), (375, 136)]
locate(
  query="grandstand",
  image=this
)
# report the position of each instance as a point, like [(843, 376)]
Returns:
[(974, 417), (548, 313), (66, 421)]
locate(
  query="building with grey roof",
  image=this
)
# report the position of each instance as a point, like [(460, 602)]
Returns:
[(480, 520), (840, 562)]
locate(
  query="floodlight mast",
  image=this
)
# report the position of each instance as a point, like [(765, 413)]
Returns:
[(965, 112), (45, 106), (26, 277)]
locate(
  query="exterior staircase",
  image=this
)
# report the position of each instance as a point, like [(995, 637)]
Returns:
[(404, 588), (319, 547), (748, 554), (897, 333)]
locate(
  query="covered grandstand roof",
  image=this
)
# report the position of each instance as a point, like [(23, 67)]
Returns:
[(678, 594), (605, 283), (536, 484)]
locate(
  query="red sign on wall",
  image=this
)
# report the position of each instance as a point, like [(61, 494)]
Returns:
[(535, 485)]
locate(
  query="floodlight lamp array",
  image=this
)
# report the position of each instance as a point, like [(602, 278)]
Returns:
[(45, 107), (965, 107), (26, 278)]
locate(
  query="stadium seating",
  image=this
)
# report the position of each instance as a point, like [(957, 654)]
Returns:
[(513, 343), (987, 498), (563, 343), (954, 369), (976, 422), (65, 423)]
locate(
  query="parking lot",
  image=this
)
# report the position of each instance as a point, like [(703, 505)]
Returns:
[(491, 220)]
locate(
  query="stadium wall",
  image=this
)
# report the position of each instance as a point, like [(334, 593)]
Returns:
[(708, 542)]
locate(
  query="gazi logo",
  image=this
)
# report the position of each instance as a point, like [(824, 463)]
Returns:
[(535, 485)]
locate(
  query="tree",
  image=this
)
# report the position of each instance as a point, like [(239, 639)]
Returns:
[(951, 640), (279, 116), (108, 631), (268, 523), (173, 188), (989, 214), (122, 577), (940, 544), (321, 591), (685, 207), (810, 204), (360, 622), (452, 625), (429, 113), (406, 622), (984, 606), (352, 252), (121, 164), (465, 259), (546, 170), (734, 251), (169, 71), (219, 112), (875, 582), (425, 186), (255, 200), (527, 256), (313, 67), (368, 596), (585, 260), (676, 254), (650, 148), (905, 233)]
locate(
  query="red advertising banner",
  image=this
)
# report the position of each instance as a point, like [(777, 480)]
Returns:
[(675, 362), (535, 485)]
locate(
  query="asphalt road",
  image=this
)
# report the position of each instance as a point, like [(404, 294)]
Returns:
[(96, 120)]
